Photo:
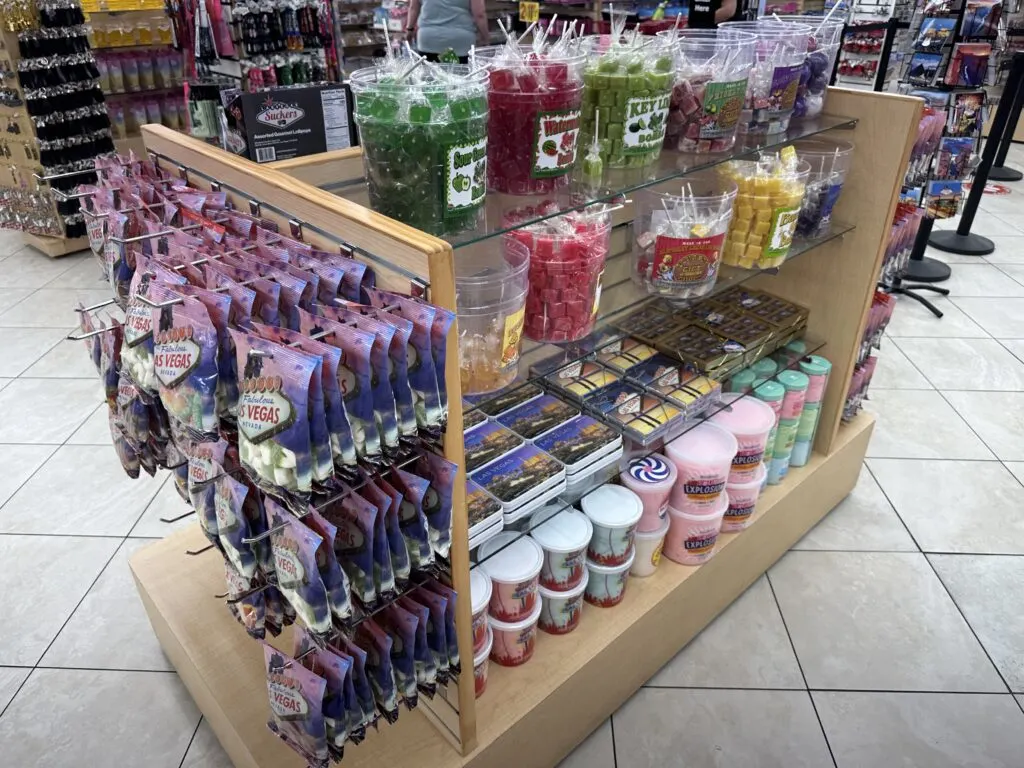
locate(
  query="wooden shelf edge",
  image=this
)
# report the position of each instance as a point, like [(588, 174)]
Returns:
[(55, 247), (533, 715)]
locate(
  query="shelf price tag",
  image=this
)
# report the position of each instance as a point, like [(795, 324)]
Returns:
[(529, 12)]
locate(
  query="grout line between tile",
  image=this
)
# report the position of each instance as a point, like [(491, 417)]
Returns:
[(615, 752), (187, 748), (828, 690)]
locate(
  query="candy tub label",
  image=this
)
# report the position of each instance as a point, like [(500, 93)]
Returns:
[(682, 261), (723, 103), (554, 145), (780, 236), (465, 176), (646, 118)]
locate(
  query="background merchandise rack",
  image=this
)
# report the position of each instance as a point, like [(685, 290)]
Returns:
[(537, 713)]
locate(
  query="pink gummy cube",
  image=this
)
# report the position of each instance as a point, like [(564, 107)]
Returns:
[(693, 131), (556, 310), (563, 323), (550, 296), (576, 309), (690, 105)]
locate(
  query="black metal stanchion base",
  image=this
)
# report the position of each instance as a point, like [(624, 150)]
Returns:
[(908, 291), (1002, 173), (966, 245), (927, 270)]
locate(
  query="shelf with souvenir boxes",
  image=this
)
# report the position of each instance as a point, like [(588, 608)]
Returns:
[(548, 706)]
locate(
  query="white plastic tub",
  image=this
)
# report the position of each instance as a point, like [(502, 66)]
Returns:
[(560, 612)]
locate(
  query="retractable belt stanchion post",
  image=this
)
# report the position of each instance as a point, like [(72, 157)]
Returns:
[(999, 171)]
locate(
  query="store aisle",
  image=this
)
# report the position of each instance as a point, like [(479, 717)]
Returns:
[(893, 633)]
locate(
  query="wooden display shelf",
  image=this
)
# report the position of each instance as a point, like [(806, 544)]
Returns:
[(531, 715), (55, 247)]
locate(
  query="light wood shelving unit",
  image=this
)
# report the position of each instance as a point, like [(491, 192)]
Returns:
[(535, 714)]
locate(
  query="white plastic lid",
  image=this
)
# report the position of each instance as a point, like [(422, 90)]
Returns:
[(759, 474), (553, 594), (517, 626), (605, 569), (566, 531), (520, 560), (485, 651), (613, 506), (479, 590)]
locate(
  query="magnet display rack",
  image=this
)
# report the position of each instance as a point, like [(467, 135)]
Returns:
[(536, 714)]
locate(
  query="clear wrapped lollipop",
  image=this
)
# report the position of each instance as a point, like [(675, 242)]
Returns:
[(678, 239), (822, 49)]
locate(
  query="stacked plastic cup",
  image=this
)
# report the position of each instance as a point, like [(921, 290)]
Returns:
[(535, 94), (816, 368), (712, 67), (822, 48), (567, 256), (772, 393), (796, 384), (678, 239), (490, 295), (778, 63), (629, 81), (423, 129), (829, 160)]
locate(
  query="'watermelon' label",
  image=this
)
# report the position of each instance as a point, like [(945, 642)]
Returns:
[(554, 143)]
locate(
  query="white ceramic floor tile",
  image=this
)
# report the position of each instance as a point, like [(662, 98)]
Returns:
[(993, 224), (65, 360), (956, 506), (898, 430), (166, 504), (1002, 318), (745, 647), (31, 269), (716, 729), (597, 751), (877, 621), (864, 520), (19, 463), (912, 319), (85, 493), (895, 371), (982, 280), (205, 751), (4, 382), (11, 679), (1009, 250), (46, 411), (95, 430), (965, 363), (10, 297), (41, 582), (67, 718), (51, 307), (987, 588), (86, 273), (1016, 271), (11, 241), (951, 258), (1016, 347), (998, 417), (870, 730), (20, 348)]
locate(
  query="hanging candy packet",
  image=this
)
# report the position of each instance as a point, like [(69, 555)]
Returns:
[(385, 415), (360, 680), (137, 349), (278, 613), (331, 572), (232, 525), (266, 306), (443, 319), (377, 645), (451, 596), (185, 364), (355, 518), (132, 407), (294, 547), (126, 453), (330, 276), (354, 377), (255, 513), (273, 422), (116, 254), (110, 358), (421, 371), (243, 298), (92, 343), (381, 538), (401, 564), (437, 503), (245, 604), (400, 626), (218, 306), (423, 657), (358, 277), (202, 497), (177, 462), (411, 518), (336, 670), (352, 711), (291, 288), (295, 700), (437, 639), (319, 431)]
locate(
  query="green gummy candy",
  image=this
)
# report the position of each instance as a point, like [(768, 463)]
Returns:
[(593, 167), (618, 82), (614, 115), (463, 109), (663, 64), (606, 98), (384, 108), (614, 131), (635, 67), (608, 65), (420, 113)]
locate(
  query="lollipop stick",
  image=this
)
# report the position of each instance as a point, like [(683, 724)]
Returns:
[(529, 29), (508, 37)]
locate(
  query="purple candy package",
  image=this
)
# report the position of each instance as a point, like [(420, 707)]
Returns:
[(400, 626), (295, 696), (411, 518), (401, 563), (364, 691), (243, 298), (245, 605), (437, 639), (437, 503), (335, 670), (383, 573), (132, 407), (426, 667), (92, 344), (330, 276), (375, 641), (451, 596), (137, 349), (218, 306), (185, 363), (387, 513), (126, 453), (266, 307), (294, 547), (331, 572), (356, 519)]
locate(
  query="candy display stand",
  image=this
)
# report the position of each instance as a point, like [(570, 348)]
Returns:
[(536, 713)]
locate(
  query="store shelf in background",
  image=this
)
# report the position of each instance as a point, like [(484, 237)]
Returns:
[(130, 143), (121, 6), (147, 92)]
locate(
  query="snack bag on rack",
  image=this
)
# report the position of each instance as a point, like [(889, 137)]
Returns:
[(218, 306), (92, 344), (384, 412), (185, 364), (110, 358), (451, 596), (379, 670), (437, 503), (132, 407), (384, 570), (423, 657), (243, 298), (294, 547), (126, 453), (330, 274), (360, 680), (355, 518), (177, 462), (137, 349), (401, 564), (437, 640), (336, 670), (443, 320), (266, 307), (273, 415), (119, 259), (354, 378), (232, 524), (291, 287), (400, 626), (245, 605), (333, 575), (352, 713), (358, 278), (295, 700), (411, 518), (279, 613)]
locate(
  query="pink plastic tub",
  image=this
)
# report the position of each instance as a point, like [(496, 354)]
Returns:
[(513, 564), (560, 612), (651, 478), (514, 641), (703, 456), (480, 596), (750, 421), (691, 538), (480, 662), (742, 498)]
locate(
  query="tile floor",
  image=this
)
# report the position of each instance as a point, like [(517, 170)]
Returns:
[(892, 634)]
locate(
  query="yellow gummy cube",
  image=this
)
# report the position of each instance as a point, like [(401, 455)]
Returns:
[(738, 250), (744, 211), (762, 227), (764, 215), (762, 184), (753, 252), (762, 205), (790, 199), (746, 263)]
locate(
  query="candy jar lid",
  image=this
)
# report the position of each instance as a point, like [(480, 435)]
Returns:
[(793, 380), (613, 506)]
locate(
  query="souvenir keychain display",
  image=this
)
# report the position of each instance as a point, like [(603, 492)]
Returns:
[(272, 379)]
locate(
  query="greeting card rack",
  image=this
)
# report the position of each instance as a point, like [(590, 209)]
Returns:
[(535, 714)]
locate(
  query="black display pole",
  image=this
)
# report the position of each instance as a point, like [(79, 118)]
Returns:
[(886, 55), (999, 171), (921, 269), (961, 240)]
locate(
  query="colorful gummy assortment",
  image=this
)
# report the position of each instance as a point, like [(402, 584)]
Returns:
[(424, 145), (704, 115), (534, 124)]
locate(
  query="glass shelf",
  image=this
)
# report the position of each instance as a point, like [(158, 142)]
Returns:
[(616, 182), (620, 296), (632, 451)]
